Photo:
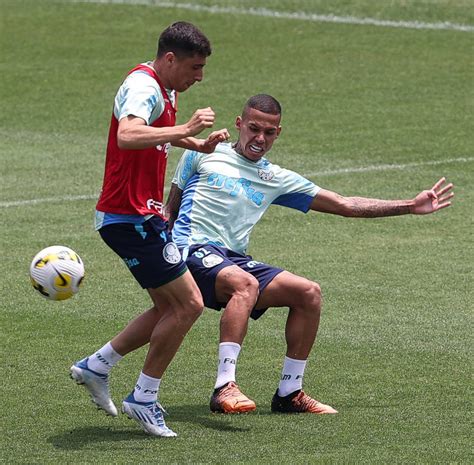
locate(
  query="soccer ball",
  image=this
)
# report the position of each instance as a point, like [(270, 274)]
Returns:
[(57, 272)]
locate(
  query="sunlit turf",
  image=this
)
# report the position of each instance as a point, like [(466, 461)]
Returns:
[(393, 354)]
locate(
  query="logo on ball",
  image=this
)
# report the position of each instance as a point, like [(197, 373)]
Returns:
[(57, 272)]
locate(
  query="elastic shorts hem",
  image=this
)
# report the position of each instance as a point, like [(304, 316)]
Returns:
[(168, 280)]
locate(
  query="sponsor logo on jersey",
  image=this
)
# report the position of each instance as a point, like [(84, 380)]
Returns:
[(164, 148), (158, 206), (265, 175), (171, 253), (236, 186)]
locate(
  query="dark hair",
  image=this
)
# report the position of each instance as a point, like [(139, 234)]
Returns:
[(264, 103), (184, 40)]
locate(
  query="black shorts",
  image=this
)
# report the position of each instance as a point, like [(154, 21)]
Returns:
[(147, 249), (205, 261)]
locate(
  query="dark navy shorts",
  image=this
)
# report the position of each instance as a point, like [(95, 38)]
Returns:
[(205, 261), (147, 249)]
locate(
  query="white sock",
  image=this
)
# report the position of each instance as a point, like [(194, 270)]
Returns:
[(291, 376), (146, 389), (228, 354), (104, 359)]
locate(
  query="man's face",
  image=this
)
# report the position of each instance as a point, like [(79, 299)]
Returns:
[(258, 131), (184, 72)]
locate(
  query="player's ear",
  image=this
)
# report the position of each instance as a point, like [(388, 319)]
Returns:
[(238, 123), (170, 57), (278, 131)]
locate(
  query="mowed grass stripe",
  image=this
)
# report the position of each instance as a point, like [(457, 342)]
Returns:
[(296, 15), (354, 170)]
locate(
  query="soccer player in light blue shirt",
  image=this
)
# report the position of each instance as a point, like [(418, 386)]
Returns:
[(215, 201), (226, 189)]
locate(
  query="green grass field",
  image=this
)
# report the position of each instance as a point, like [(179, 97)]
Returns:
[(368, 110)]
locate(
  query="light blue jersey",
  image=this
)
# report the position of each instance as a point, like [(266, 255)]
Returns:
[(225, 195)]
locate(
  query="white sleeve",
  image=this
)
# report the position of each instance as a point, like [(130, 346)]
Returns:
[(139, 95)]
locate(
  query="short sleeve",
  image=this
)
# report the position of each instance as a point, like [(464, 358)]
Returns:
[(187, 167), (296, 191), (139, 95)]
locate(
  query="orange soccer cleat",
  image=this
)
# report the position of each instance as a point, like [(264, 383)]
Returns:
[(299, 402), (229, 399)]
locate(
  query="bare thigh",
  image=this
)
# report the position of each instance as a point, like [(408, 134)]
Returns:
[(180, 293), (231, 279), (283, 291)]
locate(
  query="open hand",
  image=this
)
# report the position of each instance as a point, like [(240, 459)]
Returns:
[(432, 200)]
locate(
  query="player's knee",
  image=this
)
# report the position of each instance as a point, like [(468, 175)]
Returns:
[(311, 297), (247, 286), (196, 306), (190, 309)]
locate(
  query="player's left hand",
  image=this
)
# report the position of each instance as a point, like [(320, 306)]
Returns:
[(432, 200), (214, 138)]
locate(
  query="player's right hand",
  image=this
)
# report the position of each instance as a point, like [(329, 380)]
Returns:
[(432, 200), (202, 119)]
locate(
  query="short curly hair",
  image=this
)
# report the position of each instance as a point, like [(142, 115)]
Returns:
[(184, 40)]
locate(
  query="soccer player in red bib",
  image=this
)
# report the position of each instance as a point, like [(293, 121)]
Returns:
[(131, 221)]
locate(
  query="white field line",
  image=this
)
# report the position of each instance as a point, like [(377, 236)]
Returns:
[(66, 198), (297, 15), (354, 170), (387, 167)]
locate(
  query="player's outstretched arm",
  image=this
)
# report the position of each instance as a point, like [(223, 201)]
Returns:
[(428, 201)]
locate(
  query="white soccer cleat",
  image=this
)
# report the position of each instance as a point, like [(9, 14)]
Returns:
[(149, 415), (96, 384)]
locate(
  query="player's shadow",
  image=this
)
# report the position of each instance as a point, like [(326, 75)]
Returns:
[(125, 430), (200, 415)]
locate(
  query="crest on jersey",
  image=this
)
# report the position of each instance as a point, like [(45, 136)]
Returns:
[(265, 175)]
